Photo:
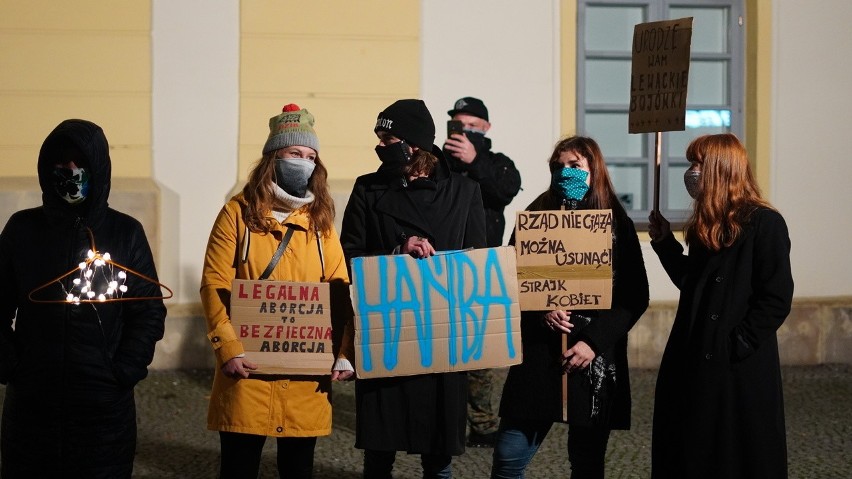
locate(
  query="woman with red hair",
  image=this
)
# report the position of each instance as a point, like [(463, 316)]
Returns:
[(719, 408)]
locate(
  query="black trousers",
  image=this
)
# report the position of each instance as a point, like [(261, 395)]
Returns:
[(241, 456), (587, 451), (379, 465)]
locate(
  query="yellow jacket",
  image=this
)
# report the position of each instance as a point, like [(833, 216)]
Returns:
[(281, 406)]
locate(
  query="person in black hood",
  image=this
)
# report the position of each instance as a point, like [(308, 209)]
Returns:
[(69, 362), (469, 153), (412, 205)]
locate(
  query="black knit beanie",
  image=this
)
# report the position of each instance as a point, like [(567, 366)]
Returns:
[(408, 120)]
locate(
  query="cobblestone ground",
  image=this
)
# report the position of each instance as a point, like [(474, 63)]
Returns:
[(173, 441)]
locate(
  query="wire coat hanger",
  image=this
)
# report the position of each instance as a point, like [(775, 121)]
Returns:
[(84, 270)]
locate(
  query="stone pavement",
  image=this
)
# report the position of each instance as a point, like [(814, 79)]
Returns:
[(173, 441)]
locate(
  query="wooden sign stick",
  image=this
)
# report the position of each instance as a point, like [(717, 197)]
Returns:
[(564, 381), (658, 148)]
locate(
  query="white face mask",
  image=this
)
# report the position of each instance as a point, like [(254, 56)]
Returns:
[(692, 181), (292, 175)]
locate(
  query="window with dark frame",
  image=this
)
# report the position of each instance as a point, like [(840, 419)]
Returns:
[(715, 96)]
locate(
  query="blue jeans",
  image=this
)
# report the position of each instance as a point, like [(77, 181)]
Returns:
[(379, 464), (518, 441)]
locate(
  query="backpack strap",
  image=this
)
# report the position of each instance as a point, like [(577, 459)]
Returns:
[(277, 256)]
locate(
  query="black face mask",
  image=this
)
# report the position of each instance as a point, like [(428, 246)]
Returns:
[(476, 138), (424, 183), (396, 154)]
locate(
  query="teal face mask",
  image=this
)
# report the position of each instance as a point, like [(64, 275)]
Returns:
[(570, 183)]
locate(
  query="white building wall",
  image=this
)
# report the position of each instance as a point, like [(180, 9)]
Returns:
[(506, 53), (195, 115), (811, 167)]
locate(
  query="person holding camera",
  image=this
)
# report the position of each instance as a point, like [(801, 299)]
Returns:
[(468, 151)]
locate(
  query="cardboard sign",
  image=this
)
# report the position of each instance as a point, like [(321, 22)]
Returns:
[(564, 259), (659, 76), (285, 327), (454, 311)]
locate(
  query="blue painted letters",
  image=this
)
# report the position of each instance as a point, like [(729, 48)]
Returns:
[(452, 298)]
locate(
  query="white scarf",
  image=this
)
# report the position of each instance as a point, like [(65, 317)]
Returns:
[(285, 203)]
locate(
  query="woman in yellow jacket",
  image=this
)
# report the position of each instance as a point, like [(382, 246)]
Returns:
[(285, 200)]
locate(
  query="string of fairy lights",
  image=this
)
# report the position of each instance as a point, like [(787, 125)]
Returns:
[(97, 280)]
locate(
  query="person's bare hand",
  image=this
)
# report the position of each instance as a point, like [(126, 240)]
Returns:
[(236, 368), (658, 226), (578, 357), (342, 375), (460, 147), (559, 320), (418, 247)]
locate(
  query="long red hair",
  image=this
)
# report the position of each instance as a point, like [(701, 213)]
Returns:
[(728, 193)]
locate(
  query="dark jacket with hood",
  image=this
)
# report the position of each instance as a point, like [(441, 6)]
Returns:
[(498, 179), (70, 368), (424, 413), (600, 394)]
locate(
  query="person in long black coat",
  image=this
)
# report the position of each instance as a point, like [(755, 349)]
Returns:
[(412, 205), (70, 367), (596, 358), (719, 410)]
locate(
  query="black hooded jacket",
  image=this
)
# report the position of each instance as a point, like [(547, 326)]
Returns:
[(70, 369)]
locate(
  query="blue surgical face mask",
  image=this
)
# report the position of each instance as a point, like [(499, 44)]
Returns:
[(71, 184), (292, 175), (570, 183)]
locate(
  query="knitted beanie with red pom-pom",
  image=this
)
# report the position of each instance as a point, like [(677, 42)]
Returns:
[(294, 126)]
